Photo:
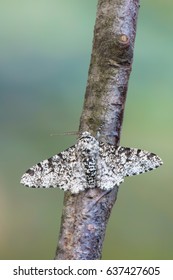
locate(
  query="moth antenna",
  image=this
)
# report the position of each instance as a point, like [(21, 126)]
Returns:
[(65, 133)]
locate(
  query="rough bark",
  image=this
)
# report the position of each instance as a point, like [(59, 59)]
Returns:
[(85, 215)]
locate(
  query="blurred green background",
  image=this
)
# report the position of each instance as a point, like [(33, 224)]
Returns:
[(45, 49)]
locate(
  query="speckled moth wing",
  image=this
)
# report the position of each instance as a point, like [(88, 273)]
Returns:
[(136, 161), (62, 170), (109, 173), (116, 163)]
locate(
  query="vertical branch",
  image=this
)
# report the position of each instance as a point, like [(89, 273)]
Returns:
[(86, 214)]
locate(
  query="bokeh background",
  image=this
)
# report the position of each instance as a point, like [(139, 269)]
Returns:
[(45, 49)]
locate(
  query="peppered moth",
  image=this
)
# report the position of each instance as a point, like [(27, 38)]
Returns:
[(90, 164)]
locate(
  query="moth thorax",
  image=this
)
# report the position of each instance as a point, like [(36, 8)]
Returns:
[(88, 147)]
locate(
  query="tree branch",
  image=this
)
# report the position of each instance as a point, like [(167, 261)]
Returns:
[(86, 214)]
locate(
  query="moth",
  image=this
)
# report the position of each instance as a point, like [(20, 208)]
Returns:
[(89, 164)]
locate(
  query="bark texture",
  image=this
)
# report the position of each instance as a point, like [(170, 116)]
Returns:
[(85, 215)]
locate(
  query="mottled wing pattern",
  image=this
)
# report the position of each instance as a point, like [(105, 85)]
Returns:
[(116, 163), (90, 164), (62, 170), (109, 173), (136, 161)]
